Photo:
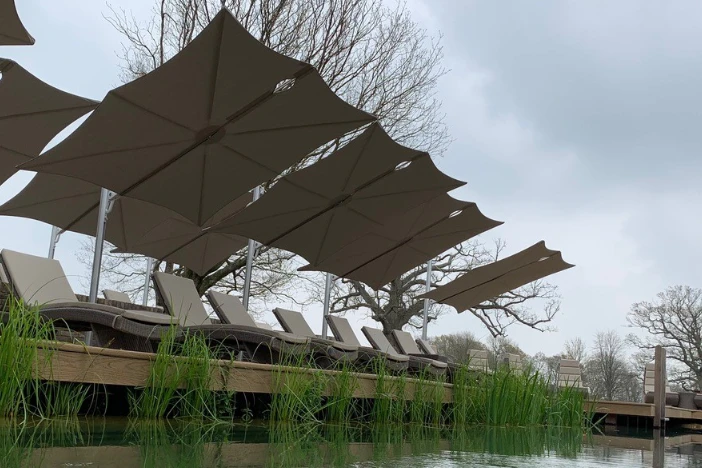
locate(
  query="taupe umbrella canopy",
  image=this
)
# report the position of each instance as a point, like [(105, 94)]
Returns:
[(219, 118), (12, 31), (317, 210), (31, 114), (497, 278), (406, 241), (133, 225)]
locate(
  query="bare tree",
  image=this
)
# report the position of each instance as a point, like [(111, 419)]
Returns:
[(457, 346), (674, 321), (499, 345), (547, 366), (372, 55), (608, 371), (576, 349), (395, 304)]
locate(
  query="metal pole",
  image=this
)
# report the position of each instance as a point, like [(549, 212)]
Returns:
[(99, 240), (250, 259), (55, 234), (327, 304), (147, 277), (427, 302)]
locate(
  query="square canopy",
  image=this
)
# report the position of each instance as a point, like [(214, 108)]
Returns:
[(222, 116)]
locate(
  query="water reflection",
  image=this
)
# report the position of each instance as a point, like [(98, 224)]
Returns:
[(124, 444)]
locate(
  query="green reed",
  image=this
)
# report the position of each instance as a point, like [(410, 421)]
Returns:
[(297, 390), (427, 405), (179, 381), (389, 406), (340, 405)]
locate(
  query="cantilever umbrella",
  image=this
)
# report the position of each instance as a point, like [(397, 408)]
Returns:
[(406, 241), (219, 118), (317, 210), (133, 225), (497, 278), (31, 114), (12, 31)]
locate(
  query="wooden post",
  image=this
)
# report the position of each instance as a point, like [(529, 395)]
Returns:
[(659, 381), (658, 449)]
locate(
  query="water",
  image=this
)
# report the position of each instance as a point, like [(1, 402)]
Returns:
[(97, 443)]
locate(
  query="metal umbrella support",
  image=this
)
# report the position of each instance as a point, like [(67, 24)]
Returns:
[(250, 258), (327, 303), (106, 198), (55, 235), (427, 302), (147, 278)]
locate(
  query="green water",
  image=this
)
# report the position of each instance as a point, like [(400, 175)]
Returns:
[(119, 443)]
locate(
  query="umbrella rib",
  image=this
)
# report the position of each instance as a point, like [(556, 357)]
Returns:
[(396, 246), (18, 153), (149, 111), (117, 151), (87, 107), (28, 205), (237, 115), (360, 155), (297, 127), (331, 207)]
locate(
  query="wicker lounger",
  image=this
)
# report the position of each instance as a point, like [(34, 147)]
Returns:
[(183, 302), (416, 364), (327, 352), (42, 281), (407, 345), (343, 332)]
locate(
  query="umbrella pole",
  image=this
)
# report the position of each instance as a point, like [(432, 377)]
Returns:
[(249, 260), (427, 287), (99, 240), (327, 303), (147, 277), (55, 234)]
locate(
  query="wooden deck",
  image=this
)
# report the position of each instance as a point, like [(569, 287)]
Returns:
[(643, 410), (66, 362)]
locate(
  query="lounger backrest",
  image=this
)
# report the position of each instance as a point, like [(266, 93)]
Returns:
[(406, 343), (342, 330), (37, 280), (3, 276), (264, 325), (569, 374), (478, 359), (513, 361), (293, 322), (425, 346), (112, 295), (379, 341), (650, 377), (229, 309), (181, 299)]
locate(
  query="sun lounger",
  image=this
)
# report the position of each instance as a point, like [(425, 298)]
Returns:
[(342, 331), (407, 345), (671, 398), (417, 364), (570, 375), (119, 296), (510, 361), (183, 302), (42, 282), (327, 352)]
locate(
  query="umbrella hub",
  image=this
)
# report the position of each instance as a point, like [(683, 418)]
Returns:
[(341, 199), (211, 134)]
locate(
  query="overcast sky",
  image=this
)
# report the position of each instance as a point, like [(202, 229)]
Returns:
[(574, 122)]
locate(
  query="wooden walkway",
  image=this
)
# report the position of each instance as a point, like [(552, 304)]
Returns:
[(66, 362)]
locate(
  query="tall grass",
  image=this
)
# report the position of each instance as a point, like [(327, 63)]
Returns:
[(297, 390), (341, 406), (427, 405), (509, 398), (389, 406), (179, 381)]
